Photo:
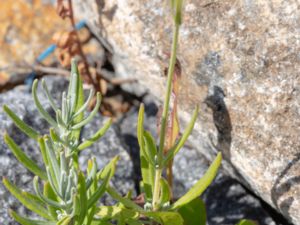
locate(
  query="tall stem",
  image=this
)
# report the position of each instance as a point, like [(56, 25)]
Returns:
[(158, 170), (168, 93)]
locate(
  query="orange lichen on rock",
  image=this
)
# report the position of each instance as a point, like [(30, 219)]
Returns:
[(26, 29)]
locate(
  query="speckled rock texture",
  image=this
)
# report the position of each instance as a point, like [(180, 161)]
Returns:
[(21, 101), (241, 64)]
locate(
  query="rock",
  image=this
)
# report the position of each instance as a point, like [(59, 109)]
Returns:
[(226, 200), (240, 63), (20, 100)]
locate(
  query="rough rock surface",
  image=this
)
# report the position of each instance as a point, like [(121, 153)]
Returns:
[(20, 100), (241, 64)]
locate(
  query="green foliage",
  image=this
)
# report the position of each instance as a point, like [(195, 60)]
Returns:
[(70, 196)]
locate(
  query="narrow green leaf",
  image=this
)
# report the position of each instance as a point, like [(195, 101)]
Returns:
[(166, 218), (201, 185), (42, 145), (85, 105), (125, 201), (87, 143), (65, 220), (140, 126), (51, 100), (27, 200), (109, 169), (150, 149), (193, 213), (172, 152), (44, 198), (247, 222), (25, 221), (105, 175), (148, 171), (29, 131), (22, 157), (73, 86), (49, 193), (92, 172), (165, 191), (79, 103), (83, 197), (39, 106), (53, 163), (91, 116)]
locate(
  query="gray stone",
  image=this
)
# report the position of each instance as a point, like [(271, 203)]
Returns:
[(20, 100), (240, 62)]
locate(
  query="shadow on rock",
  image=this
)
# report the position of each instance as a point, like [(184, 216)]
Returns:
[(222, 120), (282, 186)]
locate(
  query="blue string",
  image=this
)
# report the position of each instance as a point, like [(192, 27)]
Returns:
[(30, 77)]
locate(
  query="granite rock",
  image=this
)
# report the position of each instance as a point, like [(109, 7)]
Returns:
[(240, 62)]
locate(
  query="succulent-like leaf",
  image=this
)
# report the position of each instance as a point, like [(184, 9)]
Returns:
[(201, 185), (49, 193), (87, 143), (25, 221), (44, 198), (65, 220), (85, 105), (165, 195), (91, 116), (27, 200), (172, 152), (105, 175), (247, 222), (29, 131), (166, 218), (51, 100), (74, 86), (42, 145), (147, 169), (39, 106), (53, 163), (22, 157), (193, 213), (125, 201), (83, 198), (150, 147)]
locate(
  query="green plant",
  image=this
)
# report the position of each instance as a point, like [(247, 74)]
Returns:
[(70, 195)]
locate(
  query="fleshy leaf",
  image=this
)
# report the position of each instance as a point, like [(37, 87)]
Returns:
[(201, 185), (147, 168), (247, 222), (49, 193), (193, 213), (25, 221), (22, 157), (165, 191), (39, 106), (29, 131), (166, 218), (87, 143), (28, 201)]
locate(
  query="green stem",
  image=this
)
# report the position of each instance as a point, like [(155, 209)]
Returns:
[(158, 170), (156, 191), (168, 94)]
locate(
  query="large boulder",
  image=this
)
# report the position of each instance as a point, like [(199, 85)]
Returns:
[(240, 62)]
